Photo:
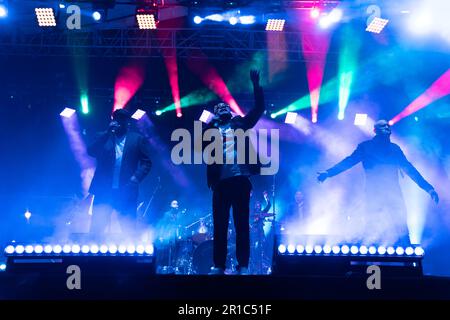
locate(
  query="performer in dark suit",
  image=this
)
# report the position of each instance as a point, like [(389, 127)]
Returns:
[(382, 160), (230, 182), (123, 161)]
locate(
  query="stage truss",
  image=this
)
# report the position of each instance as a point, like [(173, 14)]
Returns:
[(221, 44)]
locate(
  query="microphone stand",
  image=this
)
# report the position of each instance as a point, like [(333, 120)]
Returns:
[(158, 186)]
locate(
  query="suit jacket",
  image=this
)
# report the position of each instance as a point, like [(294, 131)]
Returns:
[(213, 171), (135, 161), (381, 160)]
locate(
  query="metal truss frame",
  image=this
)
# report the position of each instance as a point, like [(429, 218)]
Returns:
[(234, 44)]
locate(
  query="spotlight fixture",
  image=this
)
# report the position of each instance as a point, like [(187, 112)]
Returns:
[(275, 24), (45, 17), (138, 114), (96, 15), (360, 119), (146, 21), (67, 112), (147, 16), (377, 25), (291, 117), (3, 10)]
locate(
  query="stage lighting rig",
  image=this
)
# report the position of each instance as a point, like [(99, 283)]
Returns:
[(147, 15)]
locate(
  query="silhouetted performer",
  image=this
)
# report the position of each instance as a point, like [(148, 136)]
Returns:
[(382, 160), (257, 235), (230, 182), (123, 160)]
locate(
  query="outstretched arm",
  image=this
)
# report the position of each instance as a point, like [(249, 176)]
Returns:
[(345, 164), (253, 115), (414, 174)]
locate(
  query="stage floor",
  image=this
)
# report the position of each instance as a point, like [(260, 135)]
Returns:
[(177, 287)]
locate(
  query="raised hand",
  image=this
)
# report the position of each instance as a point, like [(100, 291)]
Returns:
[(322, 176), (254, 76), (434, 196)]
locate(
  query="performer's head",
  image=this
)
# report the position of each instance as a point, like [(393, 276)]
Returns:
[(122, 117), (382, 128), (174, 204), (258, 206), (299, 197), (223, 111)]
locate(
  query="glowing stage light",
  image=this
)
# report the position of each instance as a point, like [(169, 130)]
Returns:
[(85, 249), (94, 249), (418, 251), (158, 112), (377, 25), (345, 249), (315, 13), (2, 267), (409, 251), (138, 114), (372, 250), (57, 249), (281, 248), (67, 112), (67, 248), (131, 249), (38, 249), (354, 249), (300, 249), (399, 251), (27, 215), (149, 249), (309, 249), (333, 17), (318, 249), (233, 21), (103, 249), (381, 250), (84, 104), (206, 116), (9, 249), (29, 249), (291, 248), (3, 11), (20, 249), (62, 6), (140, 249), (336, 249), (291, 117), (421, 23), (76, 249), (247, 19), (96, 15), (179, 114), (128, 82), (363, 250), (336, 15), (326, 249), (273, 115), (439, 89), (48, 249), (275, 24), (360, 119), (390, 250), (112, 249), (146, 21), (198, 20), (45, 17), (215, 17)]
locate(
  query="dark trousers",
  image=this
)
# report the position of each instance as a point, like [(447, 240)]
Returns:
[(232, 192), (123, 201)]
